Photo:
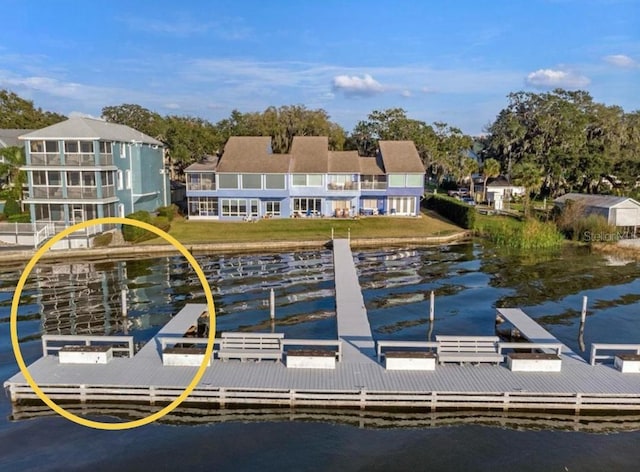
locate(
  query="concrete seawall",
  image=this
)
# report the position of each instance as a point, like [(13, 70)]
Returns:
[(119, 252)]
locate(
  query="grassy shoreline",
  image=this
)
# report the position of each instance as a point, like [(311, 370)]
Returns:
[(206, 237)]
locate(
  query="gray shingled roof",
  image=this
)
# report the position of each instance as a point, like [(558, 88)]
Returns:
[(599, 201), (310, 155), (91, 129), (9, 137), (344, 161), (400, 157), (252, 154)]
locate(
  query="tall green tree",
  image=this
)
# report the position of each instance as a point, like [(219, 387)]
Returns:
[(490, 168), (528, 175), (18, 113)]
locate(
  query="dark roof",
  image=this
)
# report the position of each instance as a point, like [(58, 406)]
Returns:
[(344, 161), (400, 157), (500, 181), (600, 201), (91, 129), (9, 137), (310, 155)]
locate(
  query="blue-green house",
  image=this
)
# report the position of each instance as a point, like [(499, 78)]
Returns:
[(85, 168)]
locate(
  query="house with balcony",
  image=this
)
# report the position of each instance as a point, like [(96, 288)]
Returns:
[(85, 168), (249, 181)]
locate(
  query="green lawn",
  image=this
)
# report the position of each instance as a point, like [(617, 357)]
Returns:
[(306, 229)]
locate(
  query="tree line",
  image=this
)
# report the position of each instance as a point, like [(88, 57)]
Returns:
[(552, 142)]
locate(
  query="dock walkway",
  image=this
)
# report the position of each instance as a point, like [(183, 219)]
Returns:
[(353, 323)]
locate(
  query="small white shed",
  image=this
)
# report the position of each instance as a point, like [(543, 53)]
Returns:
[(623, 212)]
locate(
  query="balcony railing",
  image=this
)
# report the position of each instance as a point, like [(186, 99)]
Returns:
[(373, 185), (73, 159), (201, 186), (47, 192), (45, 159), (82, 192), (106, 159), (342, 186)]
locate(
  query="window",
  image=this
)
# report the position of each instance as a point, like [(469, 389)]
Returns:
[(239, 207), (252, 181), (86, 147), (107, 178), (71, 146), (274, 181), (201, 181), (39, 177), (55, 178), (314, 180), (272, 208), (73, 179), (396, 180), (105, 147), (120, 180), (127, 178), (123, 151), (44, 146), (203, 206), (88, 179), (415, 180), (228, 180), (402, 205), (307, 180), (307, 206)]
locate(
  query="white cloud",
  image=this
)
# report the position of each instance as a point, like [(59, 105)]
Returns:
[(354, 85), (80, 114), (406, 93), (172, 106), (225, 28), (620, 60), (550, 78)]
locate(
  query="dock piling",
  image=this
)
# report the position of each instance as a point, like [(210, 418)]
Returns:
[(272, 305), (431, 306)]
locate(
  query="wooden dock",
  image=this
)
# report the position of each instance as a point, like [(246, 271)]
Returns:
[(358, 380)]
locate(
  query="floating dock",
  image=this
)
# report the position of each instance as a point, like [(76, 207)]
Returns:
[(358, 380)]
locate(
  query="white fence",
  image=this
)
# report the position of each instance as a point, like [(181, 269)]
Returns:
[(34, 234)]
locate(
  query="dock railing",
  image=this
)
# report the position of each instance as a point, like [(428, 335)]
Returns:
[(426, 345), (544, 347), (167, 341), (595, 347), (314, 342), (55, 342)]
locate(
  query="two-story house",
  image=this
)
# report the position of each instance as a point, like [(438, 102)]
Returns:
[(250, 181), (84, 168)]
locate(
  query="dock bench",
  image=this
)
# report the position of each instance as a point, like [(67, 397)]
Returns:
[(474, 349), (255, 346)]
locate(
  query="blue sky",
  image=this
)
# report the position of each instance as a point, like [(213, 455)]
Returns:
[(452, 61)]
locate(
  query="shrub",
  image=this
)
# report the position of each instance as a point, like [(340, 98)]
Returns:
[(170, 212), (133, 233), (103, 240), (531, 234), (20, 218), (11, 207), (455, 210), (595, 229), (136, 235)]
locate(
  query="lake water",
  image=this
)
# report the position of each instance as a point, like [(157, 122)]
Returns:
[(469, 281)]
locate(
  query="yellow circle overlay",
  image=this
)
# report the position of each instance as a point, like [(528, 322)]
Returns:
[(14, 325)]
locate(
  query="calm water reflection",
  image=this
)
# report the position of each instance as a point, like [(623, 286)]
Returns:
[(469, 282)]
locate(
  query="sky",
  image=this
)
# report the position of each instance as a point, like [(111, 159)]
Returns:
[(452, 61)]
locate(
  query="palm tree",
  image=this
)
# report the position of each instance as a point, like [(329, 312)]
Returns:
[(13, 158), (528, 175), (469, 167), (490, 168)]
